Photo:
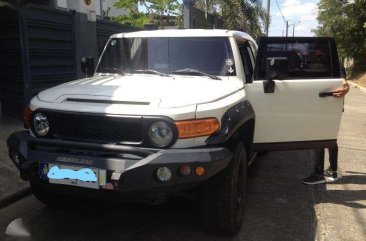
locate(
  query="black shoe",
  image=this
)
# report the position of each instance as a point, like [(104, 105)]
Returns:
[(330, 175), (314, 179)]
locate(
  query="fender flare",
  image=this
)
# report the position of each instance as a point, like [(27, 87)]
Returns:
[(235, 117)]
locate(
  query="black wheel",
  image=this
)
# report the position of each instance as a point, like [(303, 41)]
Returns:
[(51, 198), (223, 196)]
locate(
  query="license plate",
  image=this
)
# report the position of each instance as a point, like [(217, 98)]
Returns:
[(72, 175)]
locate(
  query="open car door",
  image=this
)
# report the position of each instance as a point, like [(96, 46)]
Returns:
[(299, 111)]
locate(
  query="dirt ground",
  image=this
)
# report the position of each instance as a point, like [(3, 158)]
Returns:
[(359, 79)]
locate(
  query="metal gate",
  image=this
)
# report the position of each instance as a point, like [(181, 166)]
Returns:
[(37, 52), (48, 36), (11, 71)]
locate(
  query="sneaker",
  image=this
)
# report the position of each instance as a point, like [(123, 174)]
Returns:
[(314, 179), (330, 175)]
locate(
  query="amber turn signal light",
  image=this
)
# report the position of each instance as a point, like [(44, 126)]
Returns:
[(26, 117), (200, 171), (196, 128)]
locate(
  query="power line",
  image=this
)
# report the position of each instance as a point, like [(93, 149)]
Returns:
[(278, 6)]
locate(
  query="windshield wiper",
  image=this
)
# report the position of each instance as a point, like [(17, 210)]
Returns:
[(151, 71), (195, 71)]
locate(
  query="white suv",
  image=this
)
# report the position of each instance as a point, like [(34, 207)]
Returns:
[(173, 110)]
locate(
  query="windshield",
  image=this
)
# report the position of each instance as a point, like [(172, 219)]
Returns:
[(210, 55)]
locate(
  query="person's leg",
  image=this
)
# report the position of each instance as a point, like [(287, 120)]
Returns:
[(317, 177), (319, 165), (333, 161)]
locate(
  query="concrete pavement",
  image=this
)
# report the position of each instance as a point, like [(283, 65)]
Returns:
[(11, 186), (341, 206)]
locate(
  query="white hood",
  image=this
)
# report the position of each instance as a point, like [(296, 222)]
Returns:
[(152, 90)]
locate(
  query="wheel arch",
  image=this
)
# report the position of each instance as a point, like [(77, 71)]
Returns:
[(237, 122), (245, 133)]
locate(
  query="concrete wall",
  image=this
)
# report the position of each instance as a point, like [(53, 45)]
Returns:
[(199, 20)]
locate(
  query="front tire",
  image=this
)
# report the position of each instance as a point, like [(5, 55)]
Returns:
[(223, 196)]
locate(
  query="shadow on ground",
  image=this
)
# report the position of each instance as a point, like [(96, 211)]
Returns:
[(349, 198)]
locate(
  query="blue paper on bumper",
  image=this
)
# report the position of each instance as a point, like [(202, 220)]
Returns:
[(85, 174)]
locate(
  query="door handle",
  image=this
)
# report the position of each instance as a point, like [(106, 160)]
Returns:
[(325, 94)]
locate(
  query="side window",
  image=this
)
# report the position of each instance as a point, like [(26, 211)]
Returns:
[(247, 59), (308, 58)]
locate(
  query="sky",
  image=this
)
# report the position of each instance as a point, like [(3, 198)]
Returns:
[(301, 12)]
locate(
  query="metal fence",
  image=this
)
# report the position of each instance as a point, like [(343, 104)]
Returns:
[(11, 71), (48, 36), (37, 51)]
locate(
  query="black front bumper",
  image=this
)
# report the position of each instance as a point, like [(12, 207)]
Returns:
[(129, 169)]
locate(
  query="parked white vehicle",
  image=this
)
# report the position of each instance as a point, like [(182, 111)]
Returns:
[(172, 110)]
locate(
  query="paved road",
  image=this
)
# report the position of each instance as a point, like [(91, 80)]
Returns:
[(342, 205), (278, 206)]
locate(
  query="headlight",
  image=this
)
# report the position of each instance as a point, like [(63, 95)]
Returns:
[(40, 124), (160, 134)]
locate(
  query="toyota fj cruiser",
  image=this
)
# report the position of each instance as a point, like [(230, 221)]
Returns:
[(174, 110)]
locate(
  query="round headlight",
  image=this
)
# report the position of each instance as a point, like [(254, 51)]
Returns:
[(41, 124), (160, 134)]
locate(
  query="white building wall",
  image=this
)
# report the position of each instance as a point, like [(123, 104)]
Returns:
[(94, 9), (114, 11)]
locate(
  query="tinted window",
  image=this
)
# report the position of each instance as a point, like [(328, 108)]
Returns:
[(307, 59), (248, 60), (167, 55)]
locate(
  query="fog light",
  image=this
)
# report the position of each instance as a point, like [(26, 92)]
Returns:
[(200, 171), (164, 174), (184, 170), (16, 157)]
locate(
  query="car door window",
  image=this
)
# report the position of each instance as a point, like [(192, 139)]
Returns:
[(308, 58), (247, 59)]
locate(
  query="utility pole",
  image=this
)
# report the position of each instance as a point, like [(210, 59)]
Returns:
[(286, 28), (293, 30), (101, 9), (187, 13), (268, 15)]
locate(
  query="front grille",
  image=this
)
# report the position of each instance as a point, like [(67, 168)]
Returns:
[(96, 128)]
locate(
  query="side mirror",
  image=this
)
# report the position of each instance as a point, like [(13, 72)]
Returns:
[(276, 68), (87, 66)]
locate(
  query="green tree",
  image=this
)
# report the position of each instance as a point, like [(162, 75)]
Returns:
[(345, 21), (244, 15), (157, 12)]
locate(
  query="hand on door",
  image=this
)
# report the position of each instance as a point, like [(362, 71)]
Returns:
[(341, 91)]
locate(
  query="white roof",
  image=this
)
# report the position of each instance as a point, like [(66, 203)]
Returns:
[(184, 33)]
